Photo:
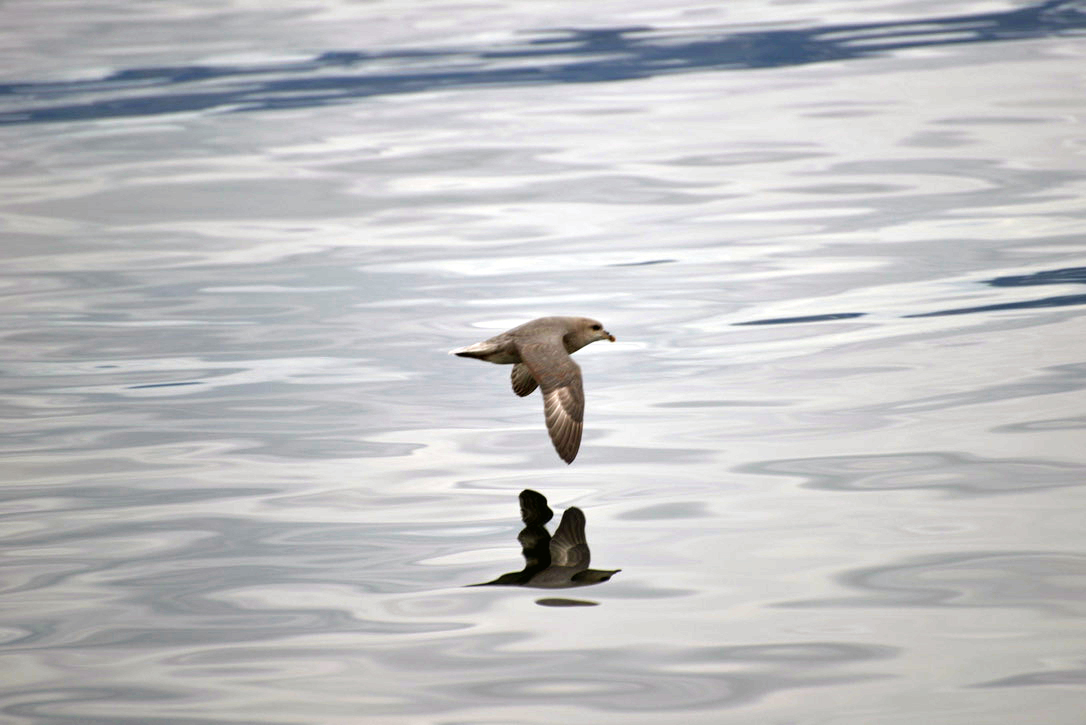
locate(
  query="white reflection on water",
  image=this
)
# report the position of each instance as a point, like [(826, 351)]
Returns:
[(836, 451)]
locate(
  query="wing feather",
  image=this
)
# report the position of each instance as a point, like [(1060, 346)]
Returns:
[(523, 380), (563, 392)]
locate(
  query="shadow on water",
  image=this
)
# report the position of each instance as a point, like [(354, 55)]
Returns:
[(558, 562), (1070, 275), (1059, 301), (562, 56), (806, 318), (1072, 676)]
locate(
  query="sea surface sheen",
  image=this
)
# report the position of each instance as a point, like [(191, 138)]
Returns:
[(837, 451)]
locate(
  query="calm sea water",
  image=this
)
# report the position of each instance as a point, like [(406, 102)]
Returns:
[(837, 452)]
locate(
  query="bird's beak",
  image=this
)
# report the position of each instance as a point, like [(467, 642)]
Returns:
[(610, 336)]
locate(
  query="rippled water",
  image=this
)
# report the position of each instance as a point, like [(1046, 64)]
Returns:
[(837, 452)]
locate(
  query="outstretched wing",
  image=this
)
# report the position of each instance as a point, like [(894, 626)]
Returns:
[(534, 539), (568, 545), (534, 510), (563, 392)]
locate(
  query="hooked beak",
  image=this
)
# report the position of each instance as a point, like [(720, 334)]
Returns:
[(609, 336)]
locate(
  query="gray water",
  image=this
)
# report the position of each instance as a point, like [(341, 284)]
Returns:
[(837, 451)]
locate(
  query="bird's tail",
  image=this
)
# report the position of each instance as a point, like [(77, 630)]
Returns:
[(479, 351)]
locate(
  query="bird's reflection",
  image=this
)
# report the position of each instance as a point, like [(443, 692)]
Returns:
[(552, 562)]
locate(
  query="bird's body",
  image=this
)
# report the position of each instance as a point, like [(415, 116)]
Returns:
[(539, 352)]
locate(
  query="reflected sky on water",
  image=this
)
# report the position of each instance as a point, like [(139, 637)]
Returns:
[(836, 450)]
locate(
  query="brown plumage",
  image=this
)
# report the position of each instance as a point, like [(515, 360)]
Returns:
[(539, 352)]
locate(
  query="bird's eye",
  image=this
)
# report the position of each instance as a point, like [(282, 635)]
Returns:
[(597, 327)]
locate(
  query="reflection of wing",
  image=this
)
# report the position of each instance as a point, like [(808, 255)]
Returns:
[(568, 545), (523, 382), (534, 539), (563, 392), (535, 548), (534, 510)]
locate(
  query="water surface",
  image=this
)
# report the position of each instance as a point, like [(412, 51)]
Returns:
[(836, 452)]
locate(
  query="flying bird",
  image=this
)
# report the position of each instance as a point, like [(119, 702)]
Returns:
[(539, 352), (557, 562)]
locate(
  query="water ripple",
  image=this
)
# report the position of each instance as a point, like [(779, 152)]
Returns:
[(956, 473), (564, 56), (1048, 582), (836, 449), (487, 670)]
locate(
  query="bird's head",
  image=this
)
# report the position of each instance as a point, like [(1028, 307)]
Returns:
[(586, 331)]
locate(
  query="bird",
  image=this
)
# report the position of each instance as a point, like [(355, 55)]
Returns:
[(539, 352), (558, 562)]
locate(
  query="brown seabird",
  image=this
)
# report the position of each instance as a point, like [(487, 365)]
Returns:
[(539, 353)]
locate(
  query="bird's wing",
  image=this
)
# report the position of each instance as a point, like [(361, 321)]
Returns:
[(568, 545), (535, 548), (563, 392), (534, 510), (534, 539), (523, 380)]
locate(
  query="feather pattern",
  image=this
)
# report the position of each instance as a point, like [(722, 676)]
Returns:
[(523, 381), (563, 393), (539, 352)]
